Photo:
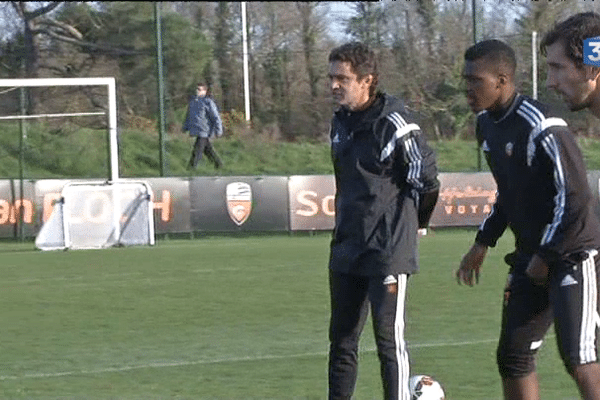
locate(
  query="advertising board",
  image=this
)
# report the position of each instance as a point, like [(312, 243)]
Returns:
[(252, 203)]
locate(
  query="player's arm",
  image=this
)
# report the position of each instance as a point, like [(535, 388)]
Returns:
[(470, 265), (422, 174), (487, 236), (217, 124), (563, 155), (493, 226), (431, 185), (496, 222)]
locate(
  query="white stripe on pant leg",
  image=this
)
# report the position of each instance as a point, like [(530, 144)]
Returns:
[(593, 307), (401, 352), (589, 313), (583, 351)]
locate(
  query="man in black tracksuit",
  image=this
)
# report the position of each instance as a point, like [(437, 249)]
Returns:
[(386, 189), (544, 198)]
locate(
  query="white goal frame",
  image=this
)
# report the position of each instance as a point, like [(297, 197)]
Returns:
[(99, 214), (110, 84)]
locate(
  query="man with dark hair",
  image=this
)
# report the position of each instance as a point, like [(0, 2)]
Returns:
[(386, 189), (544, 198), (203, 121), (579, 84)]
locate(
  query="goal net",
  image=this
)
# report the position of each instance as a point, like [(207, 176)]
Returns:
[(92, 215)]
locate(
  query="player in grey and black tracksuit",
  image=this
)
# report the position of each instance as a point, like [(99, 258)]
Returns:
[(386, 188)]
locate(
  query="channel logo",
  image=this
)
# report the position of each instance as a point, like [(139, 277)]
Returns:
[(591, 51)]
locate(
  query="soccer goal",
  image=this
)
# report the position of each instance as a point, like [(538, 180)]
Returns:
[(93, 215), (111, 108)]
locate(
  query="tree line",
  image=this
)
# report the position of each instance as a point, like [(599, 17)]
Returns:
[(420, 46)]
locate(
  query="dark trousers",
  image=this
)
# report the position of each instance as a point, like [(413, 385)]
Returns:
[(570, 301), (204, 146), (351, 298)]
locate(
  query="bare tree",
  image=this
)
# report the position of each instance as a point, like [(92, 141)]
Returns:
[(223, 51), (309, 34), (31, 31), (367, 24)]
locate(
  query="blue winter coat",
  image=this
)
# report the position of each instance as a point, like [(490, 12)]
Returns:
[(202, 118)]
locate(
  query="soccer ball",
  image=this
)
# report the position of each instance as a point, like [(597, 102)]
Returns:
[(424, 387)]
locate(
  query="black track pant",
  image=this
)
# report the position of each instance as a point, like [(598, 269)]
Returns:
[(204, 146), (351, 296)]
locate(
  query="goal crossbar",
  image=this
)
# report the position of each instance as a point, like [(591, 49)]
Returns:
[(82, 114), (109, 82)]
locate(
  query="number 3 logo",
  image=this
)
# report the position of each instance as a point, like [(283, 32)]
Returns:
[(595, 49), (591, 51)]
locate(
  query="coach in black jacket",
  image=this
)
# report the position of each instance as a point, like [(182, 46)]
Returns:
[(386, 188)]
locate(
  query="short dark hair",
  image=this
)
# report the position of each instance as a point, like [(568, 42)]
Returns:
[(572, 32), (361, 58), (496, 51)]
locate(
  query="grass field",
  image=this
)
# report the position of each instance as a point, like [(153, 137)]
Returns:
[(233, 318)]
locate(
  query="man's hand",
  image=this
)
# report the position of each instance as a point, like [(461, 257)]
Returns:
[(471, 264), (537, 270)]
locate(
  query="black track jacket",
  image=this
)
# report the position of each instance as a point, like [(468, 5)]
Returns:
[(543, 193), (386, 187)]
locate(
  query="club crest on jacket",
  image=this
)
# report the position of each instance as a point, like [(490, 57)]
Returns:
[(509, 149)]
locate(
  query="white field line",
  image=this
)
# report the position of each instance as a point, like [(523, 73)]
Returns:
[(217, 361), (78, 281)]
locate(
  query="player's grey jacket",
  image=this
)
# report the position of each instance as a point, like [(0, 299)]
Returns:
[(386, 187), (202, 118), (543, 194)]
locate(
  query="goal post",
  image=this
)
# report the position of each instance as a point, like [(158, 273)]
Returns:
[(94, 215), (108, 82)]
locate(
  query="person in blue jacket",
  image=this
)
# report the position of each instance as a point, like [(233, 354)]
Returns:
[(203, 122)]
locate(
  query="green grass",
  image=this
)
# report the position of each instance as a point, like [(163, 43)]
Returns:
[(72, 152), (233, 318)]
